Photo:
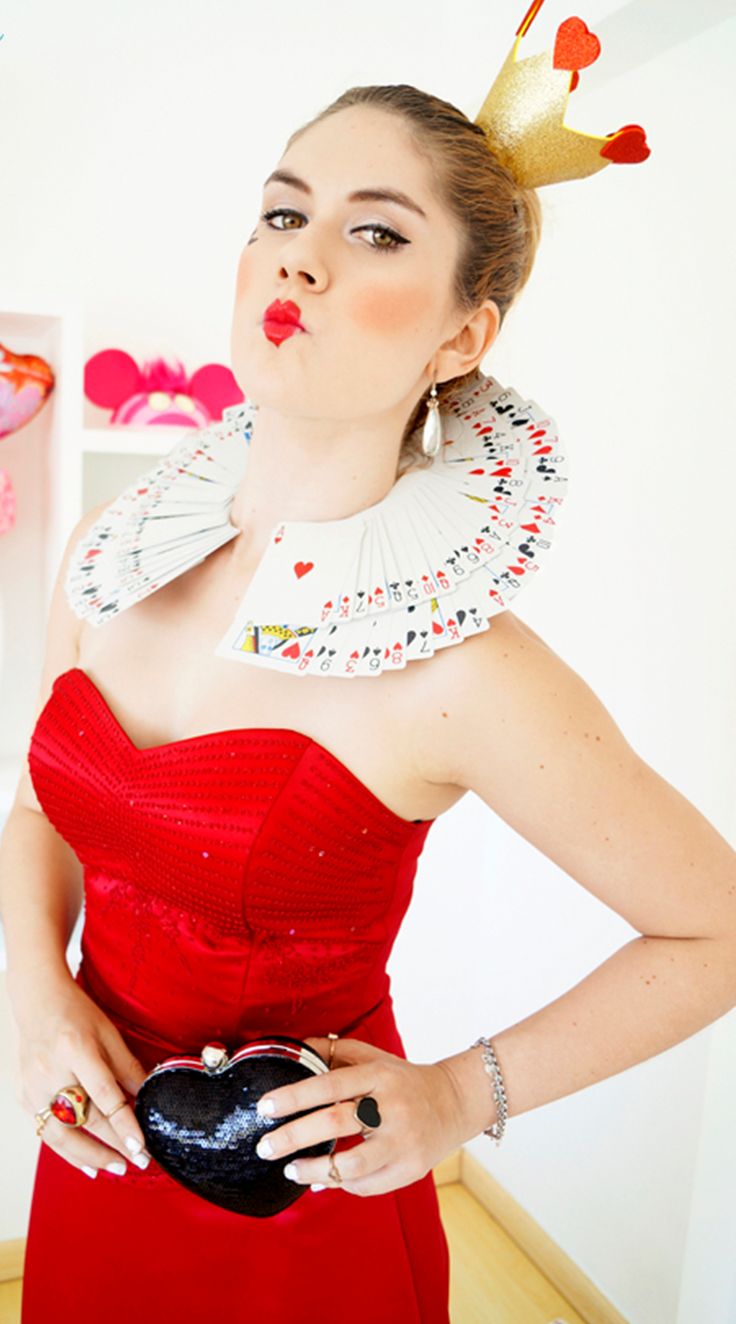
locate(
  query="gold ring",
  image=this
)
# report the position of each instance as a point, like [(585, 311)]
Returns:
[(332, 1172), (70, 1105), (123, 1104), (42, 1117)]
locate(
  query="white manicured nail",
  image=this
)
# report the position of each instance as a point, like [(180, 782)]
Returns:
[(318, 1186), (265, 1106), (291, 1172), (91, 1172), (140, 1160), (264, 1147), (133, 1144), (118, 1168)]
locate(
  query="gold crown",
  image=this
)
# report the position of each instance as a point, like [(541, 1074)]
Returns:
[(523, 114)]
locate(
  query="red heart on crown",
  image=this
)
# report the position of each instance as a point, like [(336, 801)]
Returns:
[(627, 146), (303, 568), (575, 45)]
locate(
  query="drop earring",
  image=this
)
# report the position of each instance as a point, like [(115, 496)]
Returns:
[(432, 435)]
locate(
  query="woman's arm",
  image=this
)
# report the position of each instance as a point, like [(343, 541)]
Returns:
[(40, 900), (40, 875), (529, 736)]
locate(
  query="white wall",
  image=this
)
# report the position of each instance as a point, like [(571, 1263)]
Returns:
[(141, 132)]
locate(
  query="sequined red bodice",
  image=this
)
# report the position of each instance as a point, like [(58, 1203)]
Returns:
[(235, 882)]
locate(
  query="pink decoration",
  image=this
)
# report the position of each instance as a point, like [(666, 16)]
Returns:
[(25, 382), (7, 502), (158, 393)]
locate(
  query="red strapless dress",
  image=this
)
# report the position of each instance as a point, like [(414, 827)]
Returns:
[(236, 883)]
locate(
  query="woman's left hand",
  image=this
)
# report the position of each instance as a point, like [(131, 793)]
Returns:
[(418, 1105)]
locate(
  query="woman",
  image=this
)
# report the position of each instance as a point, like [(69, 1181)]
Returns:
[(128, 744)]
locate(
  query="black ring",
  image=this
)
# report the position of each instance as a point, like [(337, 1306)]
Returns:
[(367, 1112)]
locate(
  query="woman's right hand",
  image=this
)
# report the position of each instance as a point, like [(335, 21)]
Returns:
[(73, 1040)]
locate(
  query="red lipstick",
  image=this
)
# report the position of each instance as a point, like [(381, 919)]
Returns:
[(281, 320)]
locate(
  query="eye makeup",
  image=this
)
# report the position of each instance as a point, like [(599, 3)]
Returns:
[(397, 239)]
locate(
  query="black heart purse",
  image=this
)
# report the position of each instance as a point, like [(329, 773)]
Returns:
[(199, 1118)]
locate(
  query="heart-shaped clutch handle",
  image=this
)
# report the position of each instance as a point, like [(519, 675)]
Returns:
[(199, 1118)]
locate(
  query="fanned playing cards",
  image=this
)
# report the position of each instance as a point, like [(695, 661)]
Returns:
[(447, 548)]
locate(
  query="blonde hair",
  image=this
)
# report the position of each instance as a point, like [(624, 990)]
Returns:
[(499, 221)]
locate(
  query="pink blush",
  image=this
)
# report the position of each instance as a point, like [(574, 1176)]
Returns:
[(388, 311)]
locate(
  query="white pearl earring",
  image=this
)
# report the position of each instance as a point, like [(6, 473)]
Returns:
[(432, 434)]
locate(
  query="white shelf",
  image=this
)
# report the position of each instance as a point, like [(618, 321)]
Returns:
[(121, 440), (45, 464), (10, 769), (59, 468)]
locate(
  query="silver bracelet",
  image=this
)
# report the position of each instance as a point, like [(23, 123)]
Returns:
[(490, 1062)]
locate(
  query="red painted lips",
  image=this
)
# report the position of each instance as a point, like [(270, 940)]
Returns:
[(281, 320)]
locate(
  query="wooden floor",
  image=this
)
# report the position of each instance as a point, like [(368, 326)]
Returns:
[(10, 1301), (491, 1280)]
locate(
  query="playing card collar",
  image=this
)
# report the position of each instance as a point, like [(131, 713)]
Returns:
[(447, 548)]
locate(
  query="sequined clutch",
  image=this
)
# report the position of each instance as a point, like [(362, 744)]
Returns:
[(199, 1118)]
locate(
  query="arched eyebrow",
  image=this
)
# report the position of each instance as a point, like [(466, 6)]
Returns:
[(360, 195)]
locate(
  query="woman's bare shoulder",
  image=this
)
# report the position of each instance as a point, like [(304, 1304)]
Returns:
[(502, 689), (441, 681)]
